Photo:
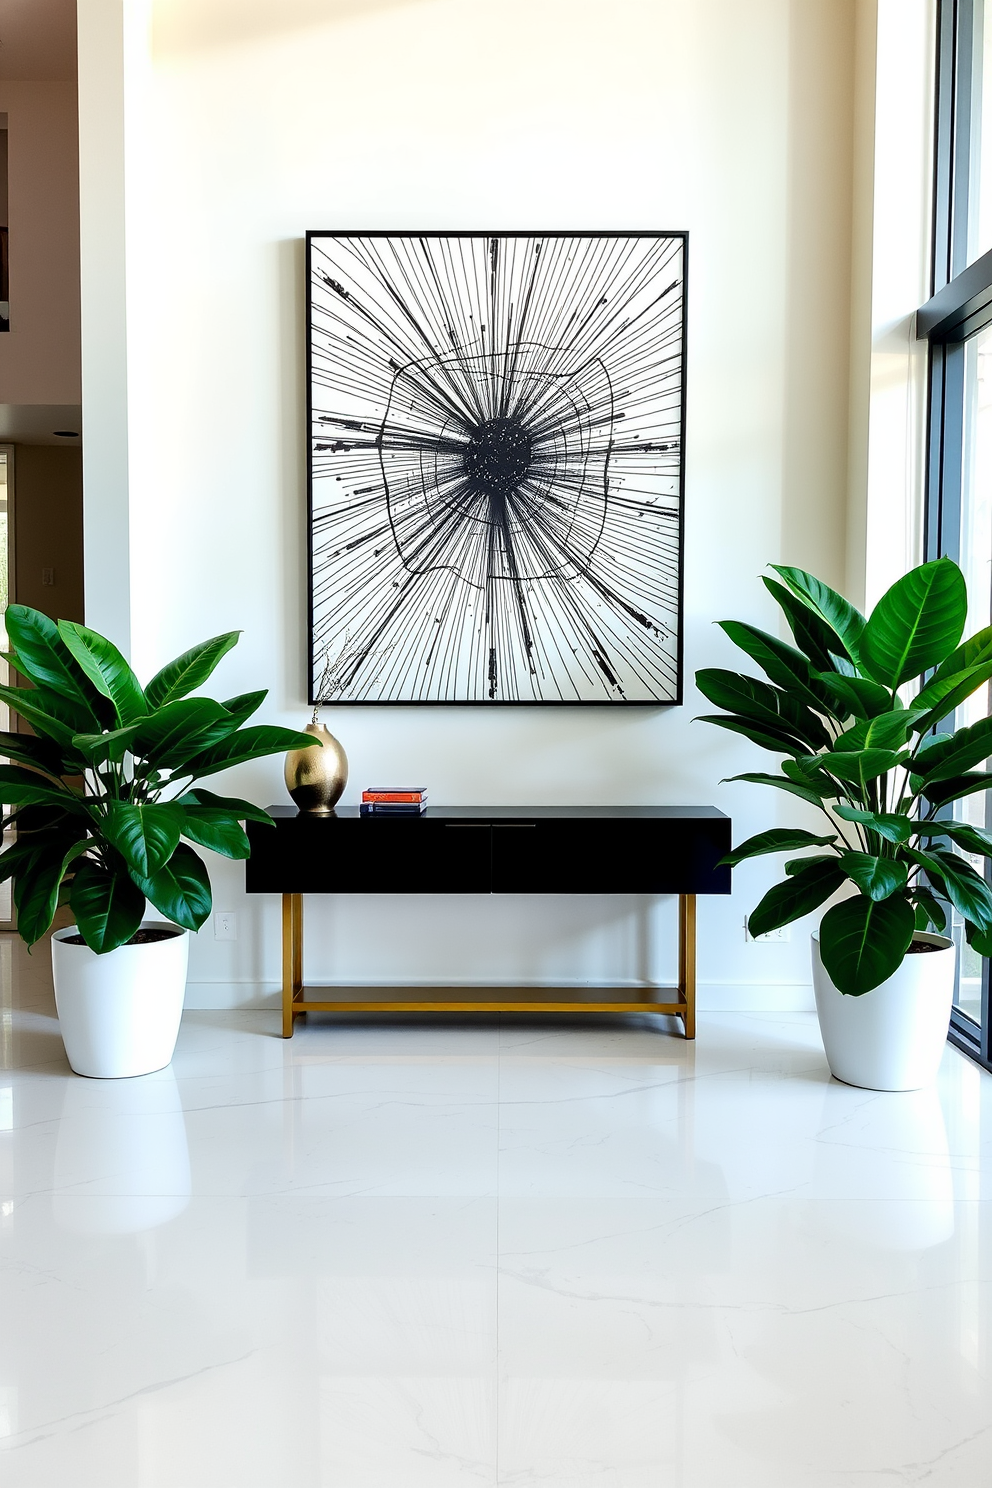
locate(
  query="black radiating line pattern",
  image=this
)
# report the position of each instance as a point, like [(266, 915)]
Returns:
[(496, 458)]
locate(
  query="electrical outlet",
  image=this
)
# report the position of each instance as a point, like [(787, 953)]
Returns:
[(771, 937), (48, 578), (225, 924)]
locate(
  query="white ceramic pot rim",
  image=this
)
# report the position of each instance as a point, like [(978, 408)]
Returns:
[(68, 930), (929, 936)]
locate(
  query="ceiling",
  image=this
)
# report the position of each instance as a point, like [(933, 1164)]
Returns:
[(37, 41), (35, 423)]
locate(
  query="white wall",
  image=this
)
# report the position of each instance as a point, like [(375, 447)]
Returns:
[(244, 125)]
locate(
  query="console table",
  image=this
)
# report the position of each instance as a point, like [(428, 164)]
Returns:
[(491, 850)]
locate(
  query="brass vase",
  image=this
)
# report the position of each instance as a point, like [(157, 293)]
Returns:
[(315, 778)]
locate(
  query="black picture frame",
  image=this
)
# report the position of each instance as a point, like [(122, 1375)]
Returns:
[(504, 414)]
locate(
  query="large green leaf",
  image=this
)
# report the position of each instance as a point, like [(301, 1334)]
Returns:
[(179, 730), (972, 839), (979, 940), (189, 671), (247, 744), (238, 810), (96, 749), (27, 749), (802, 865), (974, 653), (29, 844), (37, 884), (777, 740), (180, 890), (887, 731), (946, 758), (796, 896), (43, 818), (966, 889), (107, 904), (941, 698), (779, 782), (860, 765), (13, 856), (855, 695), (942, 792), (766, 705), (43, 656), (846, 622), (782, 664), (50, 715), (875, 877), (146, 836), (815, 638), (236, 710), (863, 941), (777, 839), (916, 624), (807, 772), (217, 830), (245, 704), (106, 669), (929, 911), (20, 787), (891, 825)]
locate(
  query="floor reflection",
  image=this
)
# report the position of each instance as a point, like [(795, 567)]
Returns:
[(500, 1254), (121, 1157)]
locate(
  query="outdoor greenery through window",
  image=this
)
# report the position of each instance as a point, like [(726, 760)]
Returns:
[(957, 321), (974, 554), (6, 909)]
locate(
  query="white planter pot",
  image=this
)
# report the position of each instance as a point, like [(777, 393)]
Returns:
[(893, 1037), (119, 1013)]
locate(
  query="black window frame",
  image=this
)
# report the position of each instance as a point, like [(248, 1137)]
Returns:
[(959, 308)]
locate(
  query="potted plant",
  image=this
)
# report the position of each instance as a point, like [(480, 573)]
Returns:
[(105, 807), (858, 710)]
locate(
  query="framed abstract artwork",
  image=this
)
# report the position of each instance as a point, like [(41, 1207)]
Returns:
[(496, 466)]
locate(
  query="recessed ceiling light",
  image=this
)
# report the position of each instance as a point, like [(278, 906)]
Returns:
[(66, 433)]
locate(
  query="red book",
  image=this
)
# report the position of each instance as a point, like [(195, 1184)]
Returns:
[(413, 796)]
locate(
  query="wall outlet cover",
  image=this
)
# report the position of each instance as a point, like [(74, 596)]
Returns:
[(772, 937), (225, 924)]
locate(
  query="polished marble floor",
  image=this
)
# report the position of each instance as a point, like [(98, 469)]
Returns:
[(441, 1255)]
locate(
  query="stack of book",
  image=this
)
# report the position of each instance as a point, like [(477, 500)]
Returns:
[(394, 800)]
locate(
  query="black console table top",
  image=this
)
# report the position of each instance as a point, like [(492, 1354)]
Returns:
[(493, 850)]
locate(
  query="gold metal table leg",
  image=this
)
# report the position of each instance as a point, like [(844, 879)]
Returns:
[(294, 1004), (687, 962), (292, 960)]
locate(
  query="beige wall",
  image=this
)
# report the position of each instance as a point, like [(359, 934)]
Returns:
[(39, 357), (245, 124), (48, 513)]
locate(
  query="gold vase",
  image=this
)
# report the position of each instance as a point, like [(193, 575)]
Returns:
[(315, 778)]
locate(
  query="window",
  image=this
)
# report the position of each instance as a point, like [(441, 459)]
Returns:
[(957, 322)]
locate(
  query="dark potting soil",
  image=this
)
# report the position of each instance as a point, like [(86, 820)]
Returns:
[(921, 947), (140, 937)]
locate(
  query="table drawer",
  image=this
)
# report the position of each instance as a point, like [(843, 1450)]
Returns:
[(370, 856), (609, 856)]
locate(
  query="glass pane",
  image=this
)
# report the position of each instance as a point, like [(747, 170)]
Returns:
[(980, 153), (975, 557)]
